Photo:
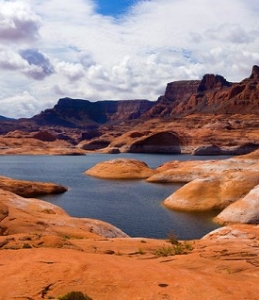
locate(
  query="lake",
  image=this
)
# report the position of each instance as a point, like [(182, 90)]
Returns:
[(134, 206)]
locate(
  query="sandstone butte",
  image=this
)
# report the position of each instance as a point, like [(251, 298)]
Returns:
[(45, 253)]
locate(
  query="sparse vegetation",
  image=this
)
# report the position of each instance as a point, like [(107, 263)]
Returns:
[(176, 249), (75, 296), (164, 251)]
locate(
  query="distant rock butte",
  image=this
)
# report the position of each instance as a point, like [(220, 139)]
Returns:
[(83, 113), (212, 95)]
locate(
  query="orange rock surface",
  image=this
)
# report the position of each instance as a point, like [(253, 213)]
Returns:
[(44, 254)]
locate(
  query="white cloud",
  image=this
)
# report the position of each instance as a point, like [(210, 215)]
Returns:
[(78, 53), (11, 60), (70, 70), (18, 22), (19, 105)]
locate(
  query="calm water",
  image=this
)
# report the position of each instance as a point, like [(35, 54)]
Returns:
[(132, 205)]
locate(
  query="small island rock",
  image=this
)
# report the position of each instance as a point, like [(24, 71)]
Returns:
[(121, 168)]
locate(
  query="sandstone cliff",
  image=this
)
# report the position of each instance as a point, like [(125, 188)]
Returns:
[(211, 95), (83, 113)]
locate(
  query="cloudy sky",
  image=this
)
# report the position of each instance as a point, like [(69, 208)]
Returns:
[(118, 49)]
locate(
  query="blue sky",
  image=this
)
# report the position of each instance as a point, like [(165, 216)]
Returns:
[(125, 49), (113, 8)]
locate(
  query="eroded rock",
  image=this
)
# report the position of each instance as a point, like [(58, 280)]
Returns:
[(245, 210), (121, 168)]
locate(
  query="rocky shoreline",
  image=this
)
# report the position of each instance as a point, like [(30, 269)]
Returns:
[(229, 185)]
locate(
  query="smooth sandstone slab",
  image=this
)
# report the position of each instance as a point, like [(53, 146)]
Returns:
[(23, 215), (186, 171), (245, 210)]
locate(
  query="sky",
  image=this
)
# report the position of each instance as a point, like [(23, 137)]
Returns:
[(118, 49)]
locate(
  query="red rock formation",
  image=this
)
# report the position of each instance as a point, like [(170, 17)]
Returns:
[(85, 114), (202, 112)]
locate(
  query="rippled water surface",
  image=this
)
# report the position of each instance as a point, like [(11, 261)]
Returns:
[(132, 205)]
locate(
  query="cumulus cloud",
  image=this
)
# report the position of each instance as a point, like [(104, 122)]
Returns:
[(134, 55), (18, 22), (72, 71), (11, 60), (19, 105)]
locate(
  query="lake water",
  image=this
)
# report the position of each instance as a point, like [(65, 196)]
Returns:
[(134, 206)]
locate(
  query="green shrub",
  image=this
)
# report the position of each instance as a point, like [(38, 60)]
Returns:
[(164, 251), (75, 296), (176, 249)]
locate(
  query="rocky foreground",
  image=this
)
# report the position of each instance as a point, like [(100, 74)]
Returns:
[(45, 253)]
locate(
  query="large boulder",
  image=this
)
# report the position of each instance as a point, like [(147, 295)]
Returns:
[(121, 168)]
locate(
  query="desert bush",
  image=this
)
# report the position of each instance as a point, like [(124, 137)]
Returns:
[(176, 249)]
